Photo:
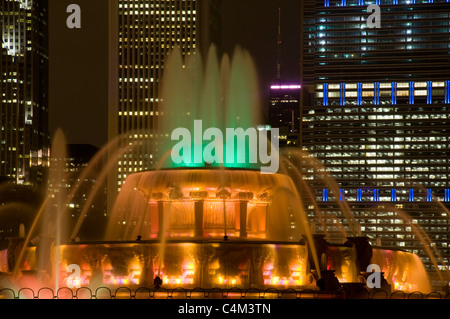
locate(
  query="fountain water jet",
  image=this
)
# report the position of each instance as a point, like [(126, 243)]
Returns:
[(53, 222), (304, 158), (101, 177), (423, 239)]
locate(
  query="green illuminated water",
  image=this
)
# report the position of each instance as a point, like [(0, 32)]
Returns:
[(222, 93)]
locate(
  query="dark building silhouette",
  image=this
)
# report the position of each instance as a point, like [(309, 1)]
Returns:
[(284, 112)]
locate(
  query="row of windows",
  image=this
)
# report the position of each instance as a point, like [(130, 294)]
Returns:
[(379, 116), (399, 31), (435, 16), (380, 148), (364, 161), (376, 93), (407, 195), (345, 3), (146, 5)]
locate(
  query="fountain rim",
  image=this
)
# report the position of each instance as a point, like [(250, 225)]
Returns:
[(229, 241), (217, 172), (202, 168), (186, 168)]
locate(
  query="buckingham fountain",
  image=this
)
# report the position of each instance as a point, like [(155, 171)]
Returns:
[(208, 225)]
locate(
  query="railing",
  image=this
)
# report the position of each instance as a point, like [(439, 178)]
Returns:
[(199, 293)]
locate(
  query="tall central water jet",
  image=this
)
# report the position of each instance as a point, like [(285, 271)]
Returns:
[(221, 94), (54, 231)]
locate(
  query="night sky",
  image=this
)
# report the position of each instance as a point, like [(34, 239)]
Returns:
[(78, 58)]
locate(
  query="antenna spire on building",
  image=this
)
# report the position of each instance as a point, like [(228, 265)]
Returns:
[(279, 42)]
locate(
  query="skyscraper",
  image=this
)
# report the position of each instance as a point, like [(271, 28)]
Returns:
[(24, 133), (284, 112), (284, 102), (143, 33), (376, 112)]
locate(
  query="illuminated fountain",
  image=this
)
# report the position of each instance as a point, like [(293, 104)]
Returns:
[(213, 235), (214, 225)]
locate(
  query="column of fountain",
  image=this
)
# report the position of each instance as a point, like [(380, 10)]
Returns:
[(161, 219), (244, 198), (198, 212), (199, 201), (243, 205), (154, 211)]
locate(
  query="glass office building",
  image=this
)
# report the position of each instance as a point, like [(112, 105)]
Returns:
[(376, 112), (24, 132)]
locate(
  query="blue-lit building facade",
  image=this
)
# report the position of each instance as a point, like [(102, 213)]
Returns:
[(376, 112)]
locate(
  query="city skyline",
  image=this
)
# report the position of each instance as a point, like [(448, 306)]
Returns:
[(155, 137)]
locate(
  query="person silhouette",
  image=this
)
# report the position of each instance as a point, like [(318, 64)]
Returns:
[(157, 282)]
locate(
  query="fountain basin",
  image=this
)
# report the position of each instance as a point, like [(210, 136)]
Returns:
[(212, 228), (191, 263), (204, 203), (188, 263)]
